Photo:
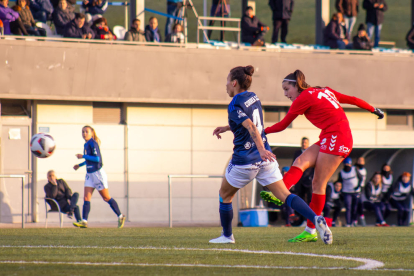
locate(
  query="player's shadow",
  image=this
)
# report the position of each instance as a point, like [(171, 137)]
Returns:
[(5, 211)]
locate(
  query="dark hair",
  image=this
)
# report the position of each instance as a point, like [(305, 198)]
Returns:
[(375, 173), (335, 16), (243, 75), (386, 164), (100, 20), (175, 25), (248, 8), (297, 79), (79, 15), (151, 18), (305, 138), (136, 19)]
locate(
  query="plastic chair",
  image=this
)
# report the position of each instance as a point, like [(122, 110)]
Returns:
[(120, 32), (49, 31), (51, 202)]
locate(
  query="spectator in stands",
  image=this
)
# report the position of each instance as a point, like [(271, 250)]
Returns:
[(335, 34), (7, 15), (152, 33), (373, 194), (94, 9), (42, 10), (135, 34), (360, 166), (351, 186), (59, 190), (219, 8), (333, 201), (387, 180), (22, 7), (410, 38), (361, 41), (62, 16), (69, 3), (350, 9), (101, 29), (177, 35), (282, 12), (174, 8), (252, 30), (400, 197), (375, 17), (78, 29)]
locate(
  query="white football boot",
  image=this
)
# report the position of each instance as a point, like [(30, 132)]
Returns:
[(323, 229), (223, 239)]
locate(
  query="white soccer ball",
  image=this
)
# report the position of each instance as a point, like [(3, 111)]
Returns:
[(42, 145)]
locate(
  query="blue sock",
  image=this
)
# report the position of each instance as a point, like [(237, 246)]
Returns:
[(114, 206), (296, 203), (86, 209), (226, 216)]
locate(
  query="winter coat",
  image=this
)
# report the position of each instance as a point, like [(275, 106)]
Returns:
[(55, 3), (332, 34), (25, 15), (149, 36), (60, 192), (369, 193), (7, 15), (250, 27), (282, 9), (95, 9), (175, 38), (73, 31), (100, 32), (349, 8), (135, 35), (362, 43), (410, 38), (375, 16), (61, 18), (41, 5)]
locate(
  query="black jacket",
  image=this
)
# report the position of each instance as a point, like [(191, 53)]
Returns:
[(368, 193), (73, 31), (348, 8), (282, 9), (362, 43), (375, 16), (332, 34), (61, 18), (60, 192), (250, 27), (410, 38), (149, 36)]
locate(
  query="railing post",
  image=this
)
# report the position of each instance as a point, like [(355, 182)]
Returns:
[(22, 201), (169, 202), (126, 15)]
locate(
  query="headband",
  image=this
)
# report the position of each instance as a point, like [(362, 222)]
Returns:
[(289, 80)]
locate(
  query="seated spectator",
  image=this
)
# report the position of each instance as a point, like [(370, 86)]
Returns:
[(361, 41), (101, 30), (400, 197), (22, 7), (152, 33), (135, 34), (62, 16), (410, 38), (374, 195), (177, 35), (93, 8), (252, 30), (70, 4), (58, 190), (7, 15), (333, 201), (335, 34), (78, 29), (42, 10)]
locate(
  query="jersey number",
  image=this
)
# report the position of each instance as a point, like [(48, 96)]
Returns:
[(330, 97), (257, 121)]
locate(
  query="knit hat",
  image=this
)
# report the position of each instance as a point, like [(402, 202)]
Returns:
[(348, 161), (361, 27)]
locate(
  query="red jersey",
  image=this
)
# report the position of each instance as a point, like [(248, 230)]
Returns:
[(321, 106)]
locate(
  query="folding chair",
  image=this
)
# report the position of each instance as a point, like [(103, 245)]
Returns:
[(54, 207)]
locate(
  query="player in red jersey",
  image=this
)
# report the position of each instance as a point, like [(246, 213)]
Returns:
[(321, 106)]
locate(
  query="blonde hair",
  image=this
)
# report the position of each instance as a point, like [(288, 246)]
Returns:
[(94, 136)]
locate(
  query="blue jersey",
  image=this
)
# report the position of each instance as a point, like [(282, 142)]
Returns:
[(91, 148), (246, 105)]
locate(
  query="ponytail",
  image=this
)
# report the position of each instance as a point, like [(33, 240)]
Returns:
[(297, 78), (94, 136)]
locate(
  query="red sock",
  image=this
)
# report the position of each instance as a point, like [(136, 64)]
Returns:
[(292, 177), (317, 203)]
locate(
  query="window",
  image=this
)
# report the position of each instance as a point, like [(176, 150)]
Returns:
[(109, 113), (272, 115), (15, 108), (399, 119)]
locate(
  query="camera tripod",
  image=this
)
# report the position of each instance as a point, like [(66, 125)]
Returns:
[(222, 10)]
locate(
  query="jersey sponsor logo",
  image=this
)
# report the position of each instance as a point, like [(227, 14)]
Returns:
[(248, 145), (251, 101), (344, 149), (241, 114)]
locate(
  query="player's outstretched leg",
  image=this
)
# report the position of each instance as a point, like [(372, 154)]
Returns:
[(323, 229), (269, 197), (85, 212)]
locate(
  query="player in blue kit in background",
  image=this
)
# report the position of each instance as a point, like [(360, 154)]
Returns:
[(95, 177), (252, 157)]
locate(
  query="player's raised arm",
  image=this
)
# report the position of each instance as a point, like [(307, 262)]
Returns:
[(257, 138), (282, 125), (220, 130)]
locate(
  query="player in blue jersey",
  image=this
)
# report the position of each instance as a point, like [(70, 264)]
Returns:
[(252, 156), (95, 177)]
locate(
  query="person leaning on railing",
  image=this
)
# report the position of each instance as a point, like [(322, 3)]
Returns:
[(101, 29), (62, 16), (176, 36), (252, 29), (152, 32), (135, 34), (78, 29)]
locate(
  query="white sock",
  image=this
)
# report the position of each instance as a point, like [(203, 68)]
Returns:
[(120, 216), (84, 220), (310, 230)]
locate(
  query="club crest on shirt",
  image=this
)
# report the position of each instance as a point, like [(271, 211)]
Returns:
[(248, 145)]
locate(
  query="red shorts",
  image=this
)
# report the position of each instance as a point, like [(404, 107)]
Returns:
[(336, 142)]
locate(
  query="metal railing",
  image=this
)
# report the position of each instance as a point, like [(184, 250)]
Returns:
[(212, 28), (170, 189), (22, 177)]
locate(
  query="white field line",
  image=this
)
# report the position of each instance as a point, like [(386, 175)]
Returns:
[(369, 264)]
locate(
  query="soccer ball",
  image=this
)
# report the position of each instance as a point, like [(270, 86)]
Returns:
[(42, 145)]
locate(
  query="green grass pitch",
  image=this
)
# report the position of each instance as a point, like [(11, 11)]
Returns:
[(179, 251)]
